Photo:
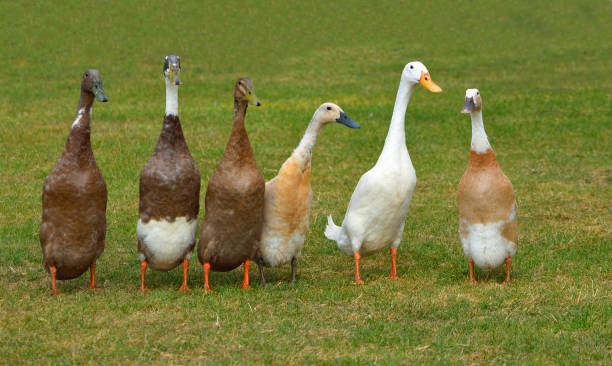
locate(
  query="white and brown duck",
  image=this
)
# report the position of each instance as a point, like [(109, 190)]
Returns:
[(169, 192), (487, 208), (288, 197), (74, 197), (234, 202)]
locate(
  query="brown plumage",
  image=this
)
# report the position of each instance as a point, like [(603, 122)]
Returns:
[(232, 225), (74, 198), (169, 192)]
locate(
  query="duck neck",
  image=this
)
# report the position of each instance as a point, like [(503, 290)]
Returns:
[(397, 135), (304, 149), (78, 144), (238, 145), (172, 133), (480, 142), (171, 99)]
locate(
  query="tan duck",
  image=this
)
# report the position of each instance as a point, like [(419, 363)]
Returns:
[(169, 192), (234, 202), (288, 198), (487, 208), (74, 198)]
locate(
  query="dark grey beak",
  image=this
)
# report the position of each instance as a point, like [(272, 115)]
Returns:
[(347, 121), (468, 107), (99, 92)]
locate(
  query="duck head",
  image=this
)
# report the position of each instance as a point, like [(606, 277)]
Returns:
[(416, 73), (330, 112), (92, 83), (172, 69), (243, 92), (473, 101)]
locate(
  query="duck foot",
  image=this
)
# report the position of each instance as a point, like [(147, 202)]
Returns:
[(262, 280), (53, 280), (184, 287), (206, 285), (508, 263), (143, 270), (393, 274), (92, 278), (293, 269), (472, 277), (245, 280), (358, 280)]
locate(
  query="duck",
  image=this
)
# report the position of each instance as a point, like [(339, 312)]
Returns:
[(377, 210), (488, 228), (234, 201), (74, 196), (169, 192), (288, 197)]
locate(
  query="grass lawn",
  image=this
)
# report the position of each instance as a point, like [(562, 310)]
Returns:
[(543, 70)]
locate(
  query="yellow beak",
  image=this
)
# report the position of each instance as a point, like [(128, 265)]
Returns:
[(428, 83)]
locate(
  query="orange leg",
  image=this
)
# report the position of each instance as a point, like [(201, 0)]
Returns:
[(472, 277), (92, 276), (393, 274), (508, 263), (245, 281), (358, 280), (53, 282), (206, 269), (143, 270), (185, 268)]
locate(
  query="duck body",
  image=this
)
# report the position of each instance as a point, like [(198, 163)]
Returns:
[(379, 205), (288, 197), (73, 228), (169, 201), (488, 227), (231, 229), (377, 210)]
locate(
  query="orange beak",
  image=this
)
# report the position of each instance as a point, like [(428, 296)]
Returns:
[(429, 84)]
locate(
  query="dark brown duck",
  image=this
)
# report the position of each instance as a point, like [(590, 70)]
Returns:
[(169, 192), (232, 225), (74, 198)]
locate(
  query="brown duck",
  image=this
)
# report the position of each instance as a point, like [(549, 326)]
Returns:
[(487, 208), (74, 198), (232, 225), (169, 192)]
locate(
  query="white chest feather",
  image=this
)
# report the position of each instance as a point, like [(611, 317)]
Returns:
[(484, 242), (167, 241)]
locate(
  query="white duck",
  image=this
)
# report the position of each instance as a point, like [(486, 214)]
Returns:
[(487, 208), (288, 197), (377, 211)]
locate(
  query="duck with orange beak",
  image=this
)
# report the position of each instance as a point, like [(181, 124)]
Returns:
[(377, 211)]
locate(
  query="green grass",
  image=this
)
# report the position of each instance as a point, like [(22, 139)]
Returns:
[(543, 70)]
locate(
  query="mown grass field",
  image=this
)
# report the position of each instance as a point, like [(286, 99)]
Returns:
[(543, 70)]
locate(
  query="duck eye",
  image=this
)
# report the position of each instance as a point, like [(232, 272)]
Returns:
[(411, 67), (329, 108)]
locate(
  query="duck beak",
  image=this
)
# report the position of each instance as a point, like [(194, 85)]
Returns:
[(175, 76), (99, 92), (468, 107), (347, 121), (428, 83), (252, 98)]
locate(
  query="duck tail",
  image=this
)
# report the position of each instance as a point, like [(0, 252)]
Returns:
[(332, 231)]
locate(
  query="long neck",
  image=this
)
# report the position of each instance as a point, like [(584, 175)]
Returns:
[(480, 143), (238, 147), (397, 135), (78, 144), (171, 98), (304, 150)]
